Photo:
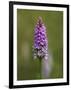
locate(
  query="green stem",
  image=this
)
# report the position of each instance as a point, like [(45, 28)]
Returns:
[(40, 67)]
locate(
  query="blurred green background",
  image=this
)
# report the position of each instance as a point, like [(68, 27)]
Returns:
[(27, 67)]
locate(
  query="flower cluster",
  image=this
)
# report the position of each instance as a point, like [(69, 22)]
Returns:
[(40, 40)]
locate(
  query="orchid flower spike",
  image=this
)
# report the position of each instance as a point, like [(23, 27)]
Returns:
[(40, 40)]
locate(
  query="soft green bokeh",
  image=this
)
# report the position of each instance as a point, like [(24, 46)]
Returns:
[(27, 67)]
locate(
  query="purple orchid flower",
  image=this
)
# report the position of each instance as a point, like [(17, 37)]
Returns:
[(40, 40)]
